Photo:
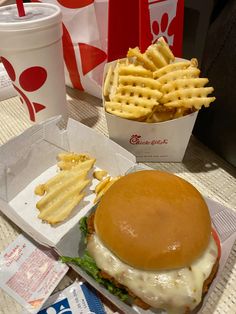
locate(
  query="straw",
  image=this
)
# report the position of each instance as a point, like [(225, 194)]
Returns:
[(20, 8)]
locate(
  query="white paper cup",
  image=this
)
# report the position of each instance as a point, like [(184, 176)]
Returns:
[(151, 142), (31, 51)]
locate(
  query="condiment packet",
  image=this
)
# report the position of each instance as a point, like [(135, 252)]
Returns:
[(78, 298), (30, 273)]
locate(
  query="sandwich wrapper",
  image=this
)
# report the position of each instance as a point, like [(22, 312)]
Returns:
[(151, 142), (30, 159)]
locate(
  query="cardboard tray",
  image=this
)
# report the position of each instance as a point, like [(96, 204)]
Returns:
[(30, 159)]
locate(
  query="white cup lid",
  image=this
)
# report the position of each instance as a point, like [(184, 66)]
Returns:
[(37, 15)]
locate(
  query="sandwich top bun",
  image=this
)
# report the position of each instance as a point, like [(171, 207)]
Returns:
[(153, 220)]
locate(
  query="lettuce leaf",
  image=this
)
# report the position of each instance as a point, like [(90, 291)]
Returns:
[(87, 263), (83, 226)]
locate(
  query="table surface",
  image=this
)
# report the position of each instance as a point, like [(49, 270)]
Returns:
[(210, 174)]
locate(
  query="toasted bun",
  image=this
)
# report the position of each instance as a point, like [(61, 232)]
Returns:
[(153, 220)]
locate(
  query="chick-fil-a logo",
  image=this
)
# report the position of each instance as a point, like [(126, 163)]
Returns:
[(136, 139)]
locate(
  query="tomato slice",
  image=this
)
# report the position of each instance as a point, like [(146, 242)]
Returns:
[(217, 241)]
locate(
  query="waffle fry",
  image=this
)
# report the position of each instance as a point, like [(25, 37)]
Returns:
[(183, 83), (62, 193), (39, 190), (152, 87), (155, 57), (183, 87), (111, 81), (179, 74), (136, 70), (136, 91), (130, 90), (135, 95), (69, 160), (108, 82), (135, 81), (137, 101), (141, 58), (183, 65), (182, 111), (161, 114), (99, 174), (194, 102), (103, 186), (183, 94), (160, 53), (127, 111)]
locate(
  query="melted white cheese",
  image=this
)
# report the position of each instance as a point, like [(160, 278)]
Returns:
[(171, 290)]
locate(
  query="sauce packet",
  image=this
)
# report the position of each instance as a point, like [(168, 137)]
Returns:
[(30, 273)]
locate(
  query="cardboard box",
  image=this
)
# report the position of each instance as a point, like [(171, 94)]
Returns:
[(151, 142), (30, 158)]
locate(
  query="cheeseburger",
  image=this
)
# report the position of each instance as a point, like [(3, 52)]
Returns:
[(151, 235)]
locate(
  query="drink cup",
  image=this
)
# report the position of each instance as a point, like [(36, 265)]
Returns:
[(31, 51)]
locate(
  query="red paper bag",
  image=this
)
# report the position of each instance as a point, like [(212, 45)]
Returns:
[(97, 31), (141, 22)]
